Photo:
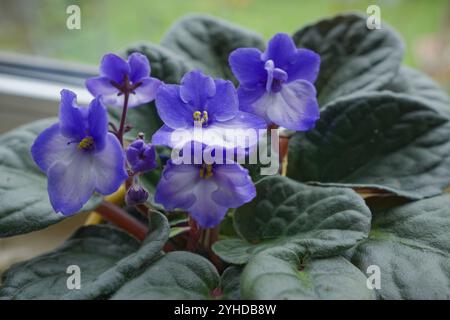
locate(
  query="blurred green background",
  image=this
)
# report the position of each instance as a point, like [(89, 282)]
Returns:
[(39, 27)]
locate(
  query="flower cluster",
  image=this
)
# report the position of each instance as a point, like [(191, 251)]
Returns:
[(80, 156)]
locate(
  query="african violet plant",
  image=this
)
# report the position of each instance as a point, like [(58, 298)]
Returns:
[(368, 163)]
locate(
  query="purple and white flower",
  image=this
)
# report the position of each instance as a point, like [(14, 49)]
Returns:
[(277, 84), (206, 191), (119, 78), (201, 102), (78, 155)]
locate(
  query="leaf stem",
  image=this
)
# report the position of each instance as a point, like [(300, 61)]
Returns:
[(122, 219)]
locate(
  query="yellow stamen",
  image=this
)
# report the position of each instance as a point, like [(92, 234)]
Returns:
[(197, 115), (205, 116), (209, 171), (206, 171), (200, 117), (86, 144)]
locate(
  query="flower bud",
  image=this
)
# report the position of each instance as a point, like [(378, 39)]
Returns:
[(136, 194), (141, 156)]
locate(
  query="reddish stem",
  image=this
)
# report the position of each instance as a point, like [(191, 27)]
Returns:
[(214, 237), (121, 130), (194, 236), (122, 219)]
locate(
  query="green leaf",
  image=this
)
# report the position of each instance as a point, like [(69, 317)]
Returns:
[(130, 266), (353, 58), (94, 249), (323, 221), (282, 274), (416, 84), (177, 275), (107, 258), (238, 251), (24, 202), (411, 246), (230, 283), (382, 141), (206, 42)]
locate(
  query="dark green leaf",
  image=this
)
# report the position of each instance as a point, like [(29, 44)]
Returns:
[(206, 42), (353, 58), (24, 203), (323, 221), (382, 141), (414, 83), (94, 249), (107, 258), (108, 282), (281, 274), (411, 246), (230, 283), (177, 275)]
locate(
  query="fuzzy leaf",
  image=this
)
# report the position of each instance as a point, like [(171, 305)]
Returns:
[(206, 42), (353, 58), (416, 84), (130, 266), (411, 246), (382, 141), (230, 283), (177, 275), (281, 274), (107, 257), (94, 249), (322, 221)]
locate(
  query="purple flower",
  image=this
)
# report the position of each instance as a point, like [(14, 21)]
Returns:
[(206, 191), (78, 155), (118, 77), (201, 102), (141, 156), (136, 194), (278, 84)]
